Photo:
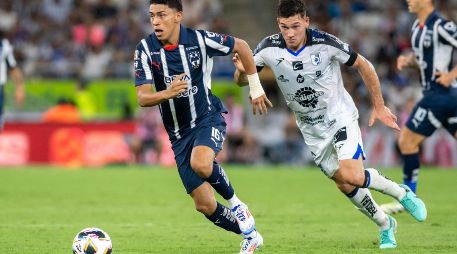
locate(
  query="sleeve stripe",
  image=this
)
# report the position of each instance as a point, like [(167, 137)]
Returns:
[(352, 59), (145, 66), (447, 36), (217, 46), (9, 55)]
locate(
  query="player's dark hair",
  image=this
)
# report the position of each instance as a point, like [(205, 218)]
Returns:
[(174, 4), (289, 8)]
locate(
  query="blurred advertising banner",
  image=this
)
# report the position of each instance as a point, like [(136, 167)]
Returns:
[(14, 149)]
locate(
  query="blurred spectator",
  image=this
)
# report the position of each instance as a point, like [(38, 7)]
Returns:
[(64, 112)]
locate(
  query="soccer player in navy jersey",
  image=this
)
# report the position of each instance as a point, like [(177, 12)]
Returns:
[(306, 64), (173, 71), (8, 61), (433, 41)]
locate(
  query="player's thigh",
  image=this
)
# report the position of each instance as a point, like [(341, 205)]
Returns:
[(409, 141), (182, 149), (351, 171)]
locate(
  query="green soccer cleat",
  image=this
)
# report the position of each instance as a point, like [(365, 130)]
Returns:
[(388, 236), (414, 205)]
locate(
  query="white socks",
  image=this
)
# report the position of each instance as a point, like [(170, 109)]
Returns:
[(375, 181), (362, 199), (234, 201)]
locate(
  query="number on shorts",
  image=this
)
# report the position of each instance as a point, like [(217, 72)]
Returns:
[(419, 116)]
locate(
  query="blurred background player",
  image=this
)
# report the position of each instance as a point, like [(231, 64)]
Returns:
[(8, 62), (306, 64), (433, 41), (172, 70)]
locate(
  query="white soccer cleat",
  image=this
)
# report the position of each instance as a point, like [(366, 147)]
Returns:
[(244, 218), (392, 207), (249, 245)]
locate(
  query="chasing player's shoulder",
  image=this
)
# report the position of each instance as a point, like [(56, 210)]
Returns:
[(271, 41)]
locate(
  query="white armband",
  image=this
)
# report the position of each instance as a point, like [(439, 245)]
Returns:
[(255, 88)]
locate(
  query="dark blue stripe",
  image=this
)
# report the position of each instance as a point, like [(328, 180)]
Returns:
[(358, 153)]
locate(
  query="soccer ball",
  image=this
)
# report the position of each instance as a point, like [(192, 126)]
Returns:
[(92, 241)]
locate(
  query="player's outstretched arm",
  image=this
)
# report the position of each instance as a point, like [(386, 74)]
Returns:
[(406, 60), (147, 97), (371, 80), (246, 62), (18, 80)]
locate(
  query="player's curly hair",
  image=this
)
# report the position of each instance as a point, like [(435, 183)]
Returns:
[(289, 8), (174, 4)]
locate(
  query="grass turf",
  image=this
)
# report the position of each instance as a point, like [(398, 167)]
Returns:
[(148, 211)]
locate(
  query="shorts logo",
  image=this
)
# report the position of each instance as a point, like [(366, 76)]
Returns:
[(340, 136), (316, 59), (306, 97)]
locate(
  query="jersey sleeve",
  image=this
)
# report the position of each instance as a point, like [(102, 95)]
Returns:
[(447, 32), (142, 65), (340, 50), (217, 44), (8, 51), (258, 55)]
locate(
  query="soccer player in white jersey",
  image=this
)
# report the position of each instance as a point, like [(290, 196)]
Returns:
[(8, 62), (433, 41), (173, 71), (306, 64)]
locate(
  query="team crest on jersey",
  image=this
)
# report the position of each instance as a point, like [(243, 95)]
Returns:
[(306, 97), (316, 59), (194, 59)]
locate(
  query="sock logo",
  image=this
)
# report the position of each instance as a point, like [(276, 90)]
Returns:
[(222, 173), (369, 206), (228, 215)]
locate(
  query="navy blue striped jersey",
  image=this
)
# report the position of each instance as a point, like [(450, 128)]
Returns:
[(433, 44), (159, 65), (7, 59)]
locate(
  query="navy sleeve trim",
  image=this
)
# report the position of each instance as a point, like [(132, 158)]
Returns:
[(352, 59), (259, 68), (143, 82)]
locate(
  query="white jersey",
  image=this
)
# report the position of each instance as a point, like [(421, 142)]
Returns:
[(310, 80), (7, 59)]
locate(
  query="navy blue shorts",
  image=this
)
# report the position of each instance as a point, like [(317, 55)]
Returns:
[(432, 112), (211, 133)]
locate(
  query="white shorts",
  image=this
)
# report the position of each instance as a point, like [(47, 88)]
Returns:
[(345, 143)]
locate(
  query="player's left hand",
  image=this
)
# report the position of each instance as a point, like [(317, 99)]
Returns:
[(260, 104), (444, 78), (385, 116)]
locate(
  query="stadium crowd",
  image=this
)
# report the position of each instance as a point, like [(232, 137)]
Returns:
[(93, 39)]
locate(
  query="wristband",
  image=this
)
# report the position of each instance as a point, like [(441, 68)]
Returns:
[(255, 88)]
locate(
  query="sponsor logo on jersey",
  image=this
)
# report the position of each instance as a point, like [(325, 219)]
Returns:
[(428, 39), (282, 79), (312, 120), (306, 97), (297, 65), (194, 59), (279, 60), (188, 92), (300, 79), (168, 79), (316, 59)]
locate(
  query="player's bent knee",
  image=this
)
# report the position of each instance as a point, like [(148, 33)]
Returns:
[(351, 176), (201, 167)]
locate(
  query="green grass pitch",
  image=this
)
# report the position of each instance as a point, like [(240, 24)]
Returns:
[(146, 210)]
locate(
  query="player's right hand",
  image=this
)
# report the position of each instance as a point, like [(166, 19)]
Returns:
[(177, 86), (402, 62), (260, 104)]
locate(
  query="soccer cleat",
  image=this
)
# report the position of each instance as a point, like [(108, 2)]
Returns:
[(392, 207), (249, 245), (388, 236), (414, 205), (244, 218)]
